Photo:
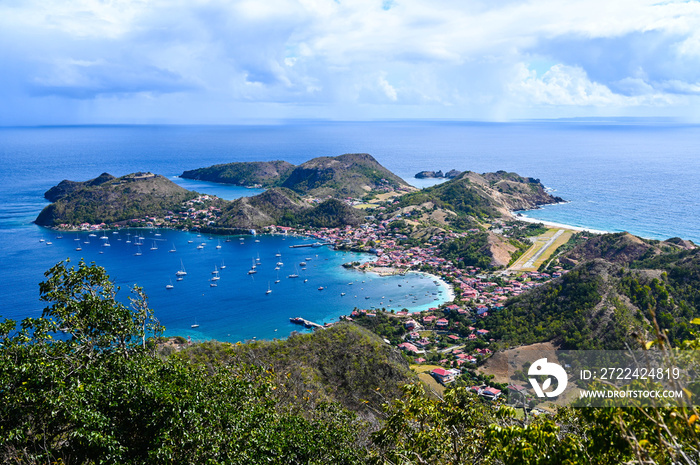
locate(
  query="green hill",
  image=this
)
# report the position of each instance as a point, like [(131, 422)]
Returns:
[(346, 364), (110, 200), (349, 175), (610, 298), (263, 173), (471, 197)]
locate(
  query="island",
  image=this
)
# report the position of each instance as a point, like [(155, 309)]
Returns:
[(438, 174)]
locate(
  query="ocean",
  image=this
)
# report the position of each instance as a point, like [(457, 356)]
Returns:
[(619, 175)]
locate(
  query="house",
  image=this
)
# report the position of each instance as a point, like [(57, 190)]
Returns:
[(408, 347), (410, 324), (490, 393), (441, 323), (443, 376)]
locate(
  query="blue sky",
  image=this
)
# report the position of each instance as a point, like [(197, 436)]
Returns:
[(190, 61)]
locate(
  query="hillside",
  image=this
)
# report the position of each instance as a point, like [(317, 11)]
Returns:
[(349, 175), (609, 299), (346, 364), (263, 173), (110, 200), (280, 206), (472, 197)]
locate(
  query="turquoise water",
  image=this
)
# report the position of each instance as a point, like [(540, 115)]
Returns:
[(620, 175)]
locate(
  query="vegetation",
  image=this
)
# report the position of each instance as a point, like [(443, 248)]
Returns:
[(113, 200), (263, 173), (99, 393), (341, 176), (84, 383), (472, 250)]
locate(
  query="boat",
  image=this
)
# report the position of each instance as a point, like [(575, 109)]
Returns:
[(128, 238), (78, 248), (269, 291), (182, 271), (218, 246), (293, 276), (320, 288), (279, 263), (92, 235), (213, 284), (342, 293), (195, 325), (278, 254), (76, 239), (223, 266), (190, 241), (169, 286), (106, 244), (173, 250), (179, 278), (306, 280), (302, 264), (200, 246), (138, 251)]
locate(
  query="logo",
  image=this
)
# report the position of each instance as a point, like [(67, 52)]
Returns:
[(544, 368)]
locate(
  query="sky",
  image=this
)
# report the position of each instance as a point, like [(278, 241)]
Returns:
[(221, 62)]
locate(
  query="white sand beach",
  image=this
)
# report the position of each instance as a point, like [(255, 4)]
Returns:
[(552, 224)]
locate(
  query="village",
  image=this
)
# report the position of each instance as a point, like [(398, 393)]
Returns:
[(451, 339)]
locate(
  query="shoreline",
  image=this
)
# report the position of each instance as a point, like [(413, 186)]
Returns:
[(527, 219)]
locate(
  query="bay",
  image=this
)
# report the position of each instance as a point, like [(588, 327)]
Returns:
[(638, 176)]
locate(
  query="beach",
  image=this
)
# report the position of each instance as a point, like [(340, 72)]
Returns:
[(551, 224)]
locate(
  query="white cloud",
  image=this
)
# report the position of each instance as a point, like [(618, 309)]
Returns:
[(460, 56), (565, 85)]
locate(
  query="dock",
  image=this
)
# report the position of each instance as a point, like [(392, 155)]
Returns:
[(315, 244), (302, 321)]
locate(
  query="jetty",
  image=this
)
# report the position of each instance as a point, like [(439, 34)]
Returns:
[(302, 321), (315, 244)]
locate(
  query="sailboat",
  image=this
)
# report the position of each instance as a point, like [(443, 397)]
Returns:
[(218, 246), (169, 286), (269, 291), (216, 274), (154, 246), (195, 325), (223, 266), (182, 271), (138, 251), (252, 268), (173, 250), (128, 238)]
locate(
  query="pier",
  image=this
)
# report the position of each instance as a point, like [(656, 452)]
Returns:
[(309, 324), (315, 244)]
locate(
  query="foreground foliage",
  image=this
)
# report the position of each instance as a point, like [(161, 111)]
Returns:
[(84, 384)]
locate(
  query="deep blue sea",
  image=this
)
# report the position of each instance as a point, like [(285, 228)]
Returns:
[(636, 176)]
